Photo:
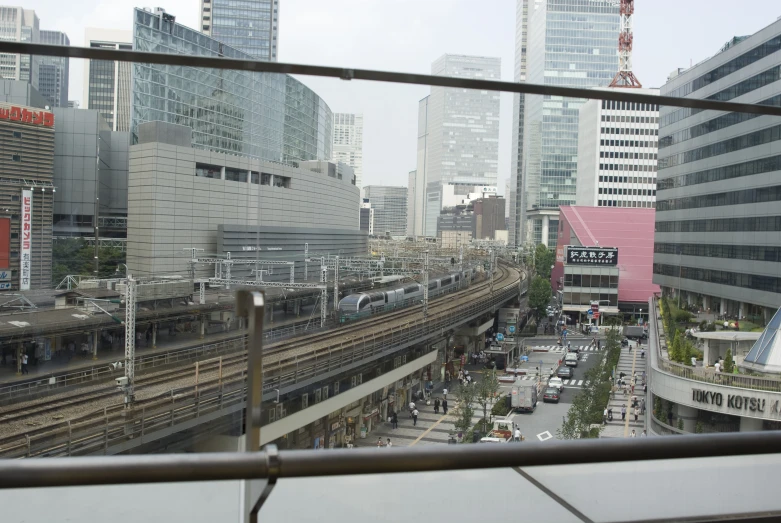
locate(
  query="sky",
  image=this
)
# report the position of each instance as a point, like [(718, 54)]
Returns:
[(408, 35)]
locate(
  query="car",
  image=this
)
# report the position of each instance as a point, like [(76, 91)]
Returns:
[(576, 349), (565, 373), (556, 383), (551, 394)]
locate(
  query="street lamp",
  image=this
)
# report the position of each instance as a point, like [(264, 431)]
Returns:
[(127, 270)]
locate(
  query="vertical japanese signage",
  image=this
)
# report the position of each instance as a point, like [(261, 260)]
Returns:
[(26, 235)]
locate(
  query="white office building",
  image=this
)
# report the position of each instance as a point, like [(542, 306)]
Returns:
[(617, 153), (519, 108), (107, 83), (348, 143), (411, 203), (19, 25), (458, 136)]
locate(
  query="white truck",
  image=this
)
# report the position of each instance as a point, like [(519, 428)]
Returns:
[(571, 359), (501, 433), (524, 396)]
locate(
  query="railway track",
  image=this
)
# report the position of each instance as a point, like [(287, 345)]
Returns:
[(279, 356)]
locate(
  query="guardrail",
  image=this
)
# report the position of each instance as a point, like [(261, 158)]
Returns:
[(117, 425)]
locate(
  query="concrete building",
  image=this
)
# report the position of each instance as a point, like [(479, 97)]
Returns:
[(251, 27), (458, 137), (336, 170), (19, 25), (26, 193), (390, 209), (617, 148), (549, 152), (266, 116), (488, 217), (20, 93), (513, 195), (74, 104), (53, 71), (182, 197), (107, 83), (455, 227), (718, 219), (411, 203), (348, 143), (367, 217), (90, 173)]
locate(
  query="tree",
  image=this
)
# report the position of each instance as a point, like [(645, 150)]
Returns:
[(729, 364), (675, 352), (464, 411), (543, 259), (74, 256), (485, 393), (686, 355), (539, 295)]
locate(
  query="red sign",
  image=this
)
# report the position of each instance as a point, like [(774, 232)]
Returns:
[(463, 360), (596, 315), (595, 307), (24, 115)]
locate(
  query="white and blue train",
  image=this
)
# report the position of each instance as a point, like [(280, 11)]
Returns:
[(369, 301)]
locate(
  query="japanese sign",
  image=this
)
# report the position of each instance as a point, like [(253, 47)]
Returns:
[(592, 255), (25, 115), (26, 235)]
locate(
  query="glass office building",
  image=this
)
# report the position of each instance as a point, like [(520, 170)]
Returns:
[(249, 25), (570, 43), (718, 218), (390, 209), (262, 115), (53, 71)]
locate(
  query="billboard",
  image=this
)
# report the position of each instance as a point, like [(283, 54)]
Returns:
[(592, 255), (26, 236)]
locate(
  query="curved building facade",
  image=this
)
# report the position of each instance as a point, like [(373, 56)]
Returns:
[(266, 116)]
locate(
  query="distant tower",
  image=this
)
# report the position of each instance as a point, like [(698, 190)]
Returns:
[(625, 77)]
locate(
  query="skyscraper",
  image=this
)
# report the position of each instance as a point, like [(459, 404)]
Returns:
[(19, 25), (250, 26), (348, 143), (411, 203), (390, 209), (570, 43), (53, 71), (107, 83), (519, 105), (458, 137)]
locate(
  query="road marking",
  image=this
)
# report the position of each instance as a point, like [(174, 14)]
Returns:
[(428, 430), (580, 383), (544, 436)]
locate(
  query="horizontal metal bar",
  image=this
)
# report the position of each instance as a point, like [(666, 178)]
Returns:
[(306, 463), (621, 95)]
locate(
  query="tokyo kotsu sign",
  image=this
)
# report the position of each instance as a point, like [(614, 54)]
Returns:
[(25, 115), (592, 255)]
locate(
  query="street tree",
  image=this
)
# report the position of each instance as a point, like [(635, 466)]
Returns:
[(729, 363), (464, 410), (543, 259), (74, 256), (539, 295), (486, 391)]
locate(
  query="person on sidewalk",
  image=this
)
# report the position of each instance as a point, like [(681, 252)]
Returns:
[(436, 406), (444, 406), (415, 417), (644, 434), (670, 418), (517, 434), (379, 442), (389, 444), (623, 412), (394, 420), (642, 406), (411, 408), (604, 417), (633, 434), (24, 364), (637, 412)]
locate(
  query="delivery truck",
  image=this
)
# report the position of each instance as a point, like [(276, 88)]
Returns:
[(524, 396)]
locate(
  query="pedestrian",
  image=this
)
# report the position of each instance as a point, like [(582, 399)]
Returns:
[(444, 406), (644, 434), (415, 417), (24, 364), (599, 344), (389, 444), (436, 406), (411, 407), (633, 434), (645, 387), (642, 406), (444, 394), (604, 417), (379, 442), (670, 417), (517, 434), (633, 388), (623, 412), (637, 412), (394, 420)]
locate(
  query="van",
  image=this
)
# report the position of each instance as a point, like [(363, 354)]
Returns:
[(571, 359)]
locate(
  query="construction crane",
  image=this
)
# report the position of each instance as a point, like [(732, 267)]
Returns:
[(625, 77)]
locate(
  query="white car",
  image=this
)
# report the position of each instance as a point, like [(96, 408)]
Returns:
[(556, 383)]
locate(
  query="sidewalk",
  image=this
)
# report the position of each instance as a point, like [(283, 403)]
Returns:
[(627, 362)]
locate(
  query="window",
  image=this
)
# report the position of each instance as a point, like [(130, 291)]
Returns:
[(282, 181), (318, 395), (17, 134), (336, 387), (359, 378), (16, 158), (325, 393), (265, 179), (255, 177), (304, 400), (235, 175), (208, 171)]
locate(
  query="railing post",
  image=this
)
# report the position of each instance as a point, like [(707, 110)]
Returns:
[(70, 437), (29, 445), (105, 437), (143, 419)]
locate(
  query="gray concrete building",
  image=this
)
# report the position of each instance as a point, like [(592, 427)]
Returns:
[(18, 24), (390, 209), (181, 197), (53, 71), (107, 83), (718, 208), (20, 93)]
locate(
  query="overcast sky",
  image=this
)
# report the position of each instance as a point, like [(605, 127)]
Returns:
[(407, 35)]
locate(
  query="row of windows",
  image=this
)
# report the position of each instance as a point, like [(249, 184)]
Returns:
[(627, 143), (238, 175), (80, 220), (739, 252), (591, 280), (771, 134), (628, 106), (626, 179), (747, 281), (746, 196), (738, 170), (627, 155), (632, 192), (761, 51), (625, 203), (585, 298), (747, 224), (629, 130), (629, 119), (626, 167), (716, 124)]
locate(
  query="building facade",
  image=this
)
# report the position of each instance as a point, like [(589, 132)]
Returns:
[(19, 25), (390, 209), (348, 143), (617, 153), (489, 217), (718, 219), (251, 26), (411, 203), (270, 117), (458, 136), (53, 71), (182, 197), (107, 83), (550, 136), (367, 217), (26, 192), (513, 195)]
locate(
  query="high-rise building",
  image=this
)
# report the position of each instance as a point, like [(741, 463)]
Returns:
[(390, 209), (519, 107), (53, 71), (107, 83), (570, 43), (251, 26), (718, 204), (74, 104), (19, 25), (411, 203), (348, 143), (617, 147), (458, 136)]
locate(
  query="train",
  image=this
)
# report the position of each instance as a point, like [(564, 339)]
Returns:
[(369, 301)]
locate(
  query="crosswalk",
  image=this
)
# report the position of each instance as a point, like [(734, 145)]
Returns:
[(567, 383), (560, 349)]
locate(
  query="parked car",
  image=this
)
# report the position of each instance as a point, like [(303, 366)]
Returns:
[(565, 373), (551, 394), (557, 383)]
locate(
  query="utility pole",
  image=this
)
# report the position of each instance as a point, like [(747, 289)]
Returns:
[(130, 339), (461, 265), (323, 291), (97, 238), (425, 284), (336, 283), (306, 262), (491, 256), (193, 251)]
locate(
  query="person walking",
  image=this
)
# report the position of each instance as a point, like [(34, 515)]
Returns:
[(517, 434), (379, 442), (411, 408), (394, 420), (436, 406), (604, 417), (389, 444), (444, 406), (637, 412), (24, 364), (599, 344), (642, 406), (623, 412), (415, 417), (644, 434), (633, 434)]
